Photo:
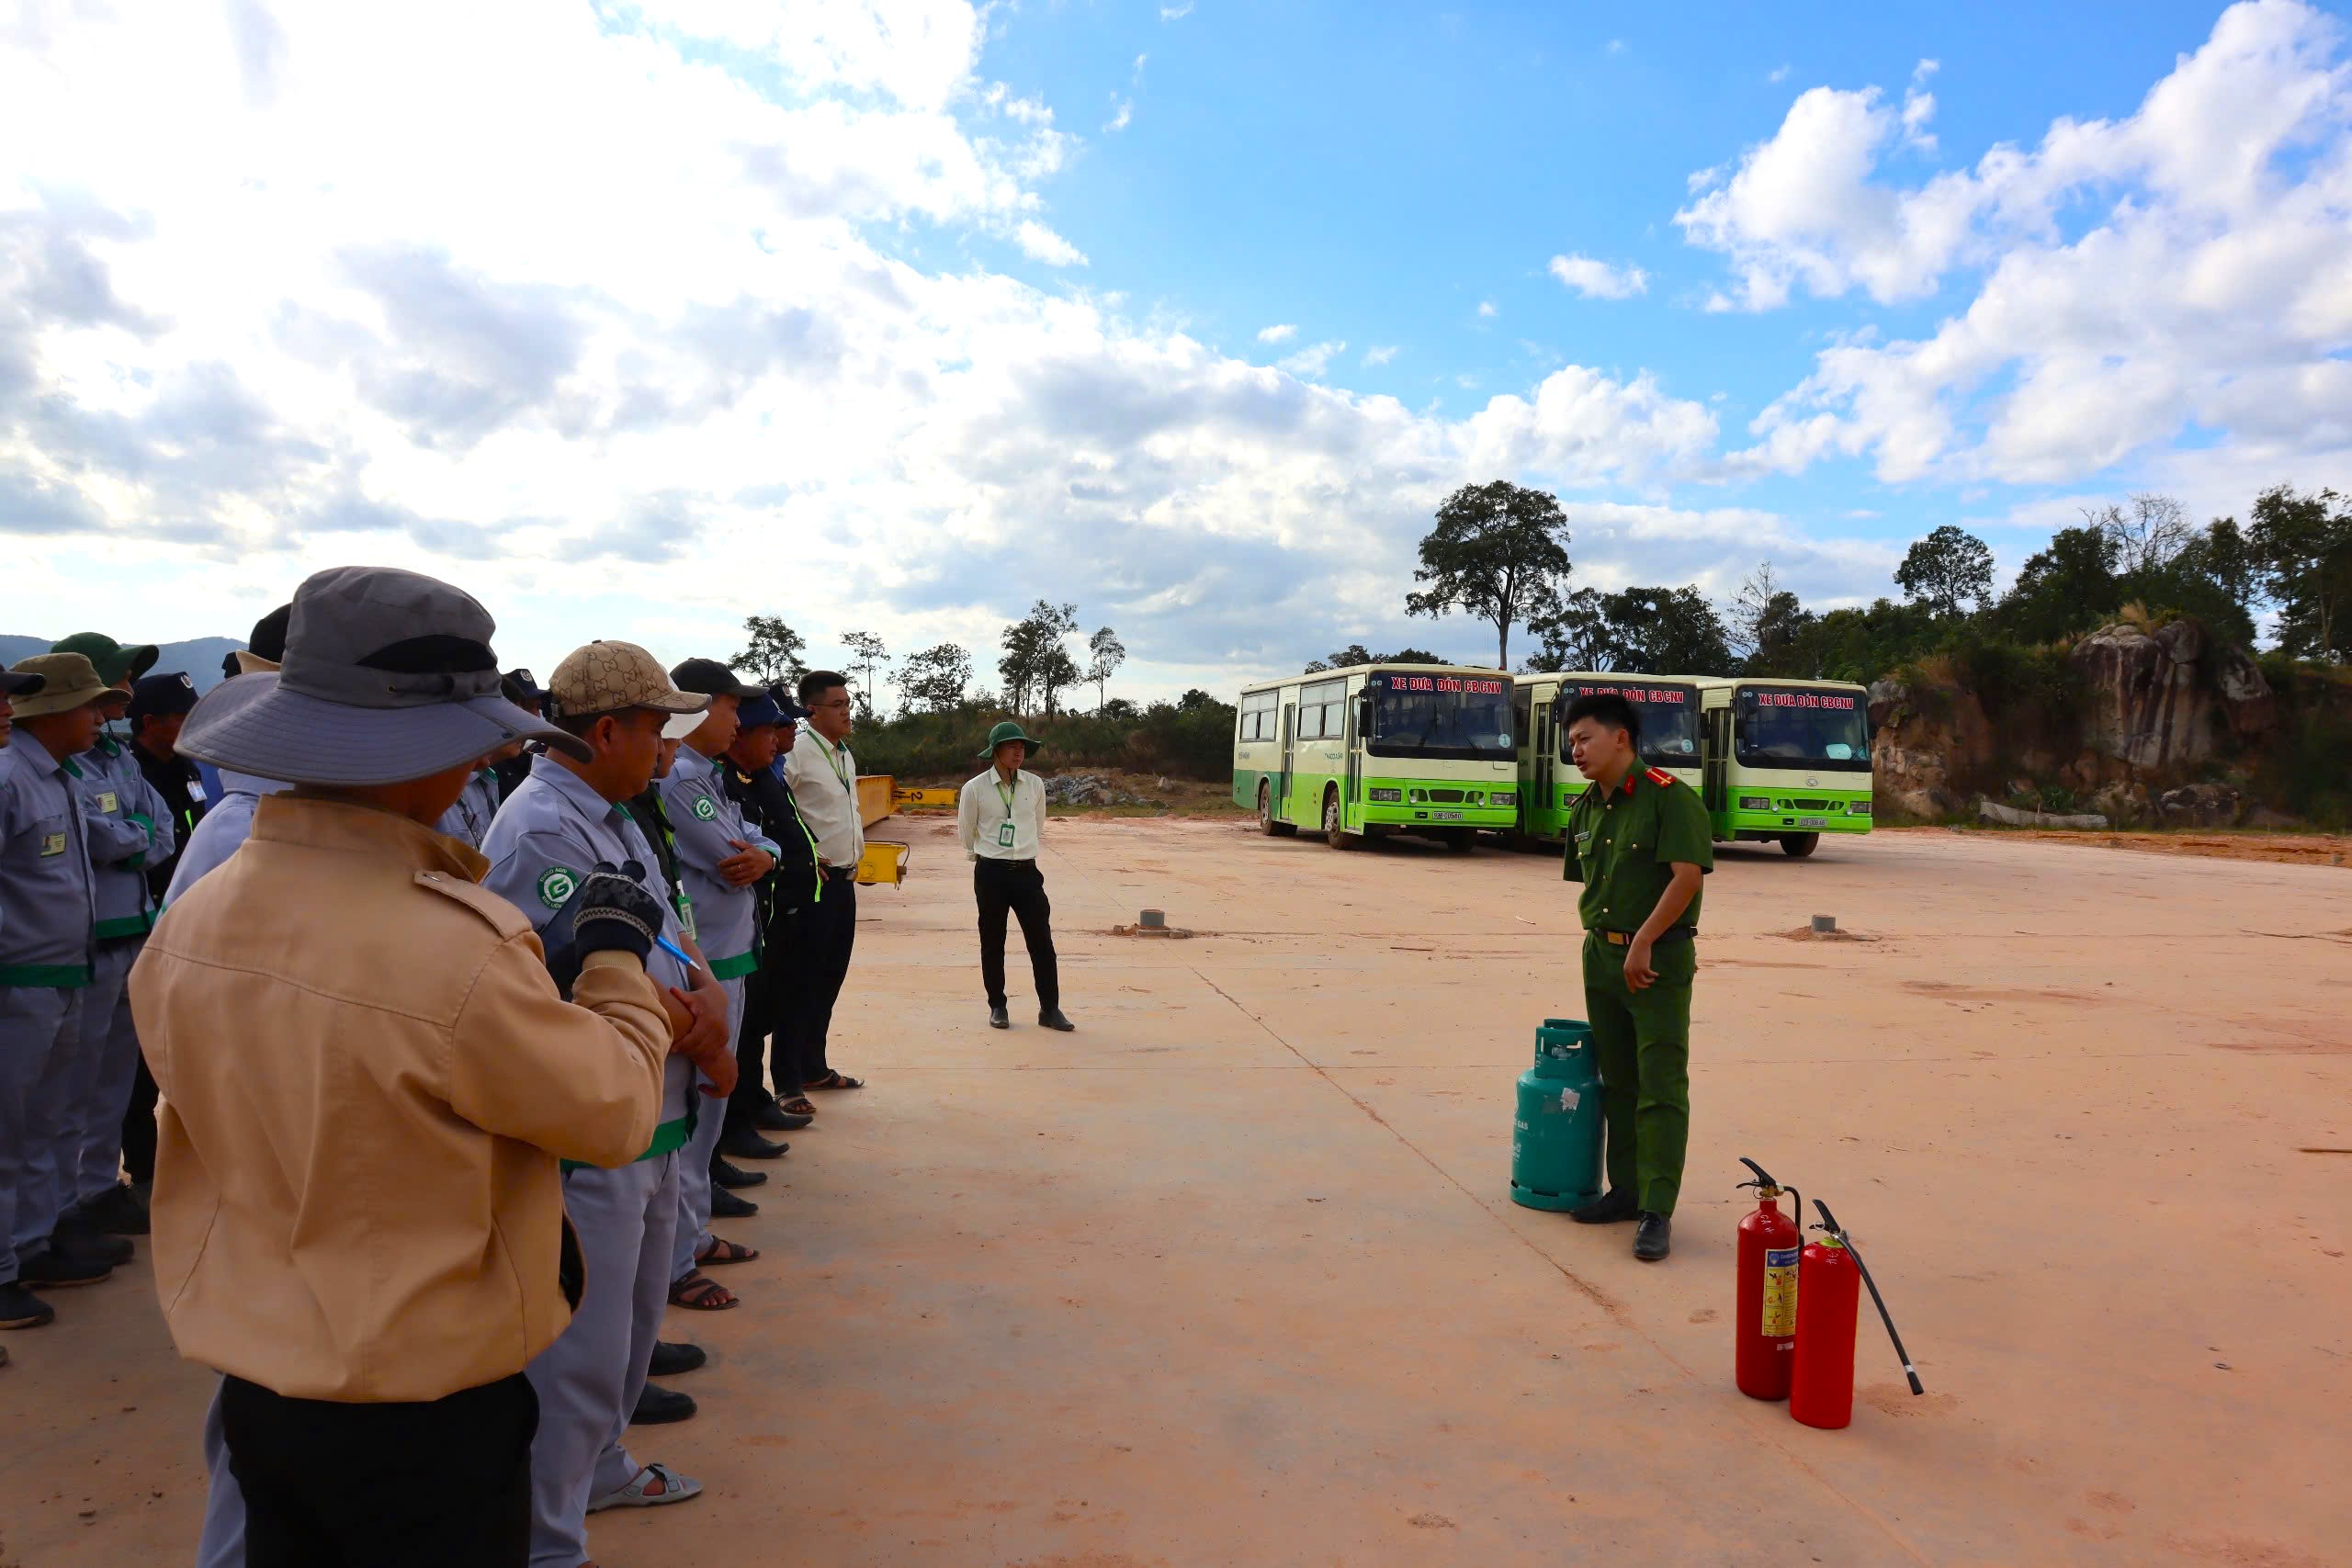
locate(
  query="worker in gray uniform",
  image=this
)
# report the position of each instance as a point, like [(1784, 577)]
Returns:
[(719, 860), (470, 819), (129, 829), (48, 895), (561, 821)]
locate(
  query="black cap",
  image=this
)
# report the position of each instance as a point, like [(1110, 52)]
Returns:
[(522, 688), (268, 639), (711, 678), (161, 695), (20, 682)]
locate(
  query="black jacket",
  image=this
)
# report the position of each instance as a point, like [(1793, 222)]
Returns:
[(767, 800), (175, 779)]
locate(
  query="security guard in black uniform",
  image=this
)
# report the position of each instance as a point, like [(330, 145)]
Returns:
[(1639, 841)]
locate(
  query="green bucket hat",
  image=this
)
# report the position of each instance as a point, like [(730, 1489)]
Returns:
[(1009, 731), (114, 662)]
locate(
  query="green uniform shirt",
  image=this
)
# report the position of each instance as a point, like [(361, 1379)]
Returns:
[(1623, 848)]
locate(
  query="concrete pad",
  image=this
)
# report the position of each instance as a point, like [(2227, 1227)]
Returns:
[(1231, 1276)]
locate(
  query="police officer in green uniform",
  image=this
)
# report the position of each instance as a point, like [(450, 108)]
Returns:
[(1639, 840)]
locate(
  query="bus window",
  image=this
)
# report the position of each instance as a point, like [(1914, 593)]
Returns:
[(1459, 717), (1793, 728), (1669, 716), (1257, 721), (1319, 716)]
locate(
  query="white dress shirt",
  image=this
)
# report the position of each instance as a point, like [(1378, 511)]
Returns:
[(824, 784), (986, 807)]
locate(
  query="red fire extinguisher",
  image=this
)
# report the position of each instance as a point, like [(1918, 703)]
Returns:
[(1764, 1321), (1830, 1276)]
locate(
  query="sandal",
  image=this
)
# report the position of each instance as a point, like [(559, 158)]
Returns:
[(835, 1080), (721, 1251), (799, 1106), (699, 1292), (649, 1488)]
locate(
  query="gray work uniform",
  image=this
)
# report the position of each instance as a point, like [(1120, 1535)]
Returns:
[(469, 820), (48, 895), (546, 837), (222, 831), (704, 826), (129, 829)]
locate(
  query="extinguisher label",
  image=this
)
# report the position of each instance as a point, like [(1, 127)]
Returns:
[(1779, 1292)]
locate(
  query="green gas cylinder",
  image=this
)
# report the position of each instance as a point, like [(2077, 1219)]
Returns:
[(1555, 1138)]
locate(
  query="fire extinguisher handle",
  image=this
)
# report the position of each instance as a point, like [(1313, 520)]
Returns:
[(1829, 1222), (1763, 1177)]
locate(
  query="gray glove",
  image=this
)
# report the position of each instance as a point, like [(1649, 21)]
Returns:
[(609, 912)]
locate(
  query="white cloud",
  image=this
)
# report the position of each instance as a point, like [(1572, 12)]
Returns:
[(1124, 117), (1779, 74), (1176, 13), (279, 338), (1380, 354), (2188, 265), (1616, 46), (1599, 281), (1486, 310), (1309, 363), (1043, 244), (1280, 332)]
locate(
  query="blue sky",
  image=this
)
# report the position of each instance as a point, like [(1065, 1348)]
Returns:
[(897, 317)]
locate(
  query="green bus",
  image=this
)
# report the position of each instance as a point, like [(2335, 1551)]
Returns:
[(1787, 760), (1548, 781), (1362, 752)]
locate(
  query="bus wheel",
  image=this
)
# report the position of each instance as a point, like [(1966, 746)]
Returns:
[(1267, 824), (1799, 845), (1462, 841), (1334, 832)]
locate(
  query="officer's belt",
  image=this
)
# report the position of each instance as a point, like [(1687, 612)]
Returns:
[(1673, 936)]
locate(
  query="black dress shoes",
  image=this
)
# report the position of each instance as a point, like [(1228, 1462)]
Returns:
[(733, 1175), (1655, 1239), (1609, 1208)]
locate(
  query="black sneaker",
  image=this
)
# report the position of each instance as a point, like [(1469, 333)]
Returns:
[(1609, 1208), (116, 1212), (19, 1308), (1052, 1019), (661, 1406), (774, 1118), (1000, 1018), (77, 1237), (725, 1205), (734, 1176), (50, 1270), (745, 1143), (670, 1359), (1655, 1239)]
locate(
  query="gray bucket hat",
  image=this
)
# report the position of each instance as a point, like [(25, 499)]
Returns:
[(388, 676)]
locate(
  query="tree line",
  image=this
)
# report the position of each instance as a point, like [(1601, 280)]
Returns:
[(1036, 666), (1498, 552)]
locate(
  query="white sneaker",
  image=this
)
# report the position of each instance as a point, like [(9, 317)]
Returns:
[(649, 1488)]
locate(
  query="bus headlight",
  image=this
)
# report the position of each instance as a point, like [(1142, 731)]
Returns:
[(1858, 808), (1385, 796), (1755, 803), (1503, 797)]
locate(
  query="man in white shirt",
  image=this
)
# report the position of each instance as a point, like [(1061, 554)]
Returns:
[(823, 776), (1000, 820)]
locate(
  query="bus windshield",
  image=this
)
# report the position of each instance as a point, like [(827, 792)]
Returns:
[(1459, 717), (1800, 727), (1669, 717)]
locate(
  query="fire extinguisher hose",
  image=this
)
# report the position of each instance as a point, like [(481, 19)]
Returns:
[(1829, 1222)]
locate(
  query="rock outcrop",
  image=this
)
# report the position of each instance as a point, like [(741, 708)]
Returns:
[(2150, 702)]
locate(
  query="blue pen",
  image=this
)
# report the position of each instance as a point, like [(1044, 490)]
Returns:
[(674, 950)]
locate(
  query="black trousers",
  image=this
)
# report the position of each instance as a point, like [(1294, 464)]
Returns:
[(445, 1484), (763, 994), (139, 1125), (821, 939), (1019, 887)]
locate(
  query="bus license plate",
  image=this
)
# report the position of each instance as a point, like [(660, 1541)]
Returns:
[(1445, 816), (1812, 821)]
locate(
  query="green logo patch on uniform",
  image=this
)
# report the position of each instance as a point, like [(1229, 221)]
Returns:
[(704, 810), (557, 884)]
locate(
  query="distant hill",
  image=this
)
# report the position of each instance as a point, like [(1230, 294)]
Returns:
[(200, 657)]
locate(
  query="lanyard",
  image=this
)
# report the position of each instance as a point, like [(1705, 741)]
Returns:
[(833, 758), (1007, 796)]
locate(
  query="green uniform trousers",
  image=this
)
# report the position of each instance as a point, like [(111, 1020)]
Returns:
[(1641, 1041)]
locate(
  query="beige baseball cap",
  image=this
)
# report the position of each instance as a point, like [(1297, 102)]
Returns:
[(606, 677)]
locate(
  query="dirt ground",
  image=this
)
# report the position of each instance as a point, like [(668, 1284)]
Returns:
[(2278, 849), (1230, 1275)]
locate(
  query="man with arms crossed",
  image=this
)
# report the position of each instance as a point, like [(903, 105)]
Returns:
[(1639, 841)]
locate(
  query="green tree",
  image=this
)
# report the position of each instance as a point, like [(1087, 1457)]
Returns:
[(1035, 665), (1573, 633), (933, 680), (1498, 552), (775, 652), (1946, 571), (1861, 645), (1105, 653), (1767, 626), (2065, 587), (1666, 631), (2305, 546), (866, 651)]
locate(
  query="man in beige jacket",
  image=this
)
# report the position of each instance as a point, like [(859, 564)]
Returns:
[(368, 1078)]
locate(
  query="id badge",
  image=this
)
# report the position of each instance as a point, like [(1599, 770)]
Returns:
[(1004, 835), (107, 801), (53, 844), (196, 791)]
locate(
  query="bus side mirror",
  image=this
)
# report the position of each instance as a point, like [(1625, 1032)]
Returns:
[(1364, 712)]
